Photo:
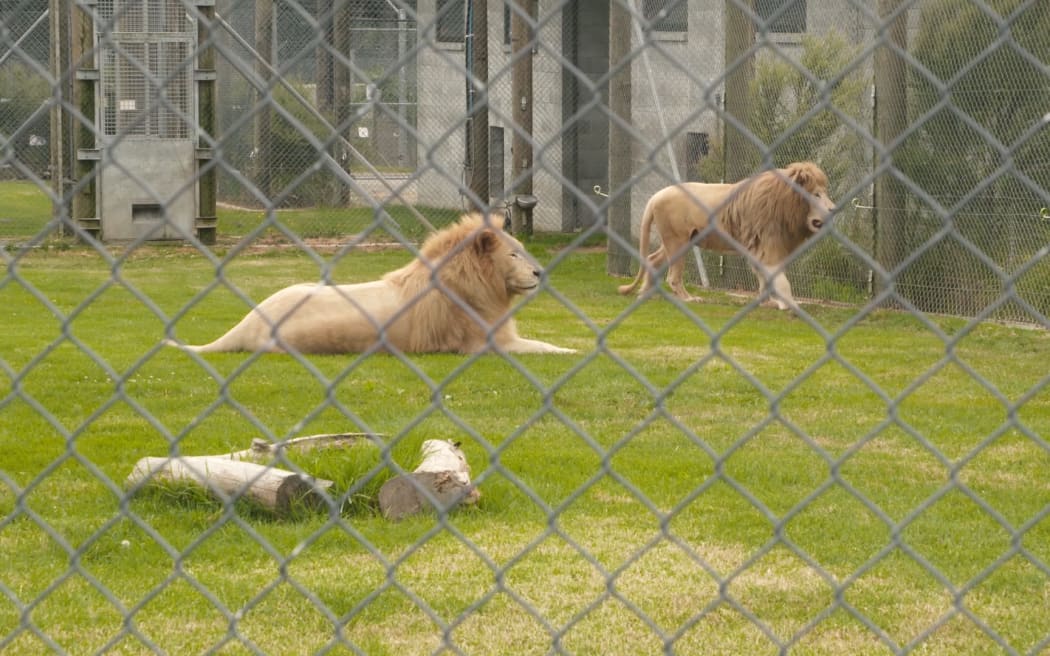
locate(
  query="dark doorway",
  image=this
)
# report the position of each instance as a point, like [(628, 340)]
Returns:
[(697, 147), (496, 158), (585, 136)]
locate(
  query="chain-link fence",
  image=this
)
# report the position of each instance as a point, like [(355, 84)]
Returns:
[(875, 484)]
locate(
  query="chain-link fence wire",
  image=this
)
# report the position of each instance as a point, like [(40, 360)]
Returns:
[(363, 79), (349, 104), (810, 93)]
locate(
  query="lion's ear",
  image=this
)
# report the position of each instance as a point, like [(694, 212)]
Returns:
[(800, 175), (486, 242)]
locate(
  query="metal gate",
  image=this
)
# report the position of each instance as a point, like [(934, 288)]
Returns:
[(146, 106)]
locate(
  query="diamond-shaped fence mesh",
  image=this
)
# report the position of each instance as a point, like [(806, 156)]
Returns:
[(865, 472)]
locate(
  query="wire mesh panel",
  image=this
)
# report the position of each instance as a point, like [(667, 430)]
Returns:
[(145, 69), (427, 435), (342, 72), (24, 120), (129, 96)]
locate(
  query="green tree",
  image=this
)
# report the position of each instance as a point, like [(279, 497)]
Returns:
[(980, 148), (993, 74), (781, 96)]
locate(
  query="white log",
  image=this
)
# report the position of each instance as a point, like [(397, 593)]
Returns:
[(441, 482), (276, 489)]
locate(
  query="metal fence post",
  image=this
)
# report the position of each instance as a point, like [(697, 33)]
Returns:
[(620, 140)]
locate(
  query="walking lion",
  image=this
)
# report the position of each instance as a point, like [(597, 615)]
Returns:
[(769, 215)]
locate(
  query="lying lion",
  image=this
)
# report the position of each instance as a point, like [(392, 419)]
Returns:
[(456, 298), (770, 215)]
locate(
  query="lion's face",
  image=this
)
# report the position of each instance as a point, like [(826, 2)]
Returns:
[(820, 209), (519, 270), (814, 182)]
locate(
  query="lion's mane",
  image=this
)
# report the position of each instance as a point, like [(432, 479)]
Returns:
[(452, 274), (767, 216)]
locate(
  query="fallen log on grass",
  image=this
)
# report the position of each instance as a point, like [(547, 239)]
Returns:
[(441, 481), (277, 490), (239, 473)]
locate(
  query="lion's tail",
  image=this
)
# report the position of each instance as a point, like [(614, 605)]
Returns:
[(643, 251), (221, 345), (185, 347)]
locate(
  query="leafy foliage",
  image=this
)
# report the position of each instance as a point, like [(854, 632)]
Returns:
[(24, 115), (293, 172), (802, 111), (979, 149), (999, 92)]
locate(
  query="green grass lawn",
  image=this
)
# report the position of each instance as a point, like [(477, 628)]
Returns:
[(720, 480), (25, 213), (24, 209), (707, 479)]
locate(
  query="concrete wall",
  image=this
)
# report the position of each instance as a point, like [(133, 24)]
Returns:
[(442, 115), (677, 87), (677, 83), (141, 182), (672, 66), (546, 122)]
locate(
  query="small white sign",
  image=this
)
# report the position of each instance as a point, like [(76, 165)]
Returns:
[(362, 132)]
